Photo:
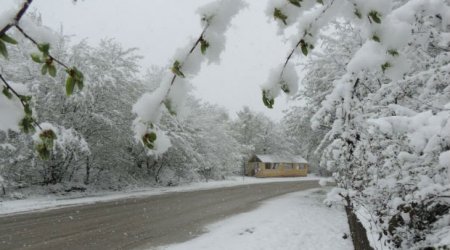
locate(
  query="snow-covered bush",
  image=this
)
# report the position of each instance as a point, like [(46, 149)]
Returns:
[(61, 150)]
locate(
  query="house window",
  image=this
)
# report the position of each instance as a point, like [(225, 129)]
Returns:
[(267, 165), (288, 166)]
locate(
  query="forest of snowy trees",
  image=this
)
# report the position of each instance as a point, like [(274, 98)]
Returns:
[(95, 144), (375, 110)]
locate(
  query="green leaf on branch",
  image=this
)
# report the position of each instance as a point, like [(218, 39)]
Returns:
[(52, 70), (385, 66), (43, 151), (176, 69), (5, 39), (70, 84), (75, 78), (285, 88), (168, 104), (8, 39), (27, 109), (393, 52), (26, 104), (79, 77), (44, 69), (304, 47), (148, 139), (152, 136), (375, 16), (48, 134), (44, 148), (36, 58), (25, 98), (6, 92), (357, 13), (376, 38), (305, 50), (278, 14), (203, 45), (26, 124), (3, 50), (296, 2), (267, 99), (80, 85), (47, 137), (44, 48)]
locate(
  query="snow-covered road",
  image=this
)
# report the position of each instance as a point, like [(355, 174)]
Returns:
[(294, 221), (150, 221), (48, 202)]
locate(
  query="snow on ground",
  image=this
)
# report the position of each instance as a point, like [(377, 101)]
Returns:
[(294, 221), (55, 201)]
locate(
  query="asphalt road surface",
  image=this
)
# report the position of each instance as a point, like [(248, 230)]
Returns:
[(136, 223)]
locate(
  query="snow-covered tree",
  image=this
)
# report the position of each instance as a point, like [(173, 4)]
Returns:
[(260, 134), (394, 67)]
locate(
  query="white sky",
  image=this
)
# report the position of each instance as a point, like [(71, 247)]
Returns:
[(159, 27)]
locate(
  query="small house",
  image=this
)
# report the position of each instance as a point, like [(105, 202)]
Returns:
[(276, 166)]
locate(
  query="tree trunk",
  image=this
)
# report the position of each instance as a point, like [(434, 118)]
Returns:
[(88, 171), (357, 230), (158, 172)]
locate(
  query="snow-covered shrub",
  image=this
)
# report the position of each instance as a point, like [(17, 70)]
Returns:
[(61, 160)]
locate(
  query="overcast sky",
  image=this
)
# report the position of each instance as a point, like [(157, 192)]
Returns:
[(159, 27)]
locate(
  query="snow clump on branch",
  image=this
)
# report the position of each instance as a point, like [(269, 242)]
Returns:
[(172, 92)]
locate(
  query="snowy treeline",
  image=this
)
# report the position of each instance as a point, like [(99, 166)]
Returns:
[(95, 143), (378, 109)]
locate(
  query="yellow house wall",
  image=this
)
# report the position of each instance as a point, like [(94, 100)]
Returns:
[(281, 171)]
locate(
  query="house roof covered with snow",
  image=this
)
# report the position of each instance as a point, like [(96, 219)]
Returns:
[(278, 158)]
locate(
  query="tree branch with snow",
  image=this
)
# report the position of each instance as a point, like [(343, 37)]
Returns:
[(27, 123), (215, 19)]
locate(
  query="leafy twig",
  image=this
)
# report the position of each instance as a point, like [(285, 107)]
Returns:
[(301, 41), (197, 42), (19, 96), (37, 44)]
